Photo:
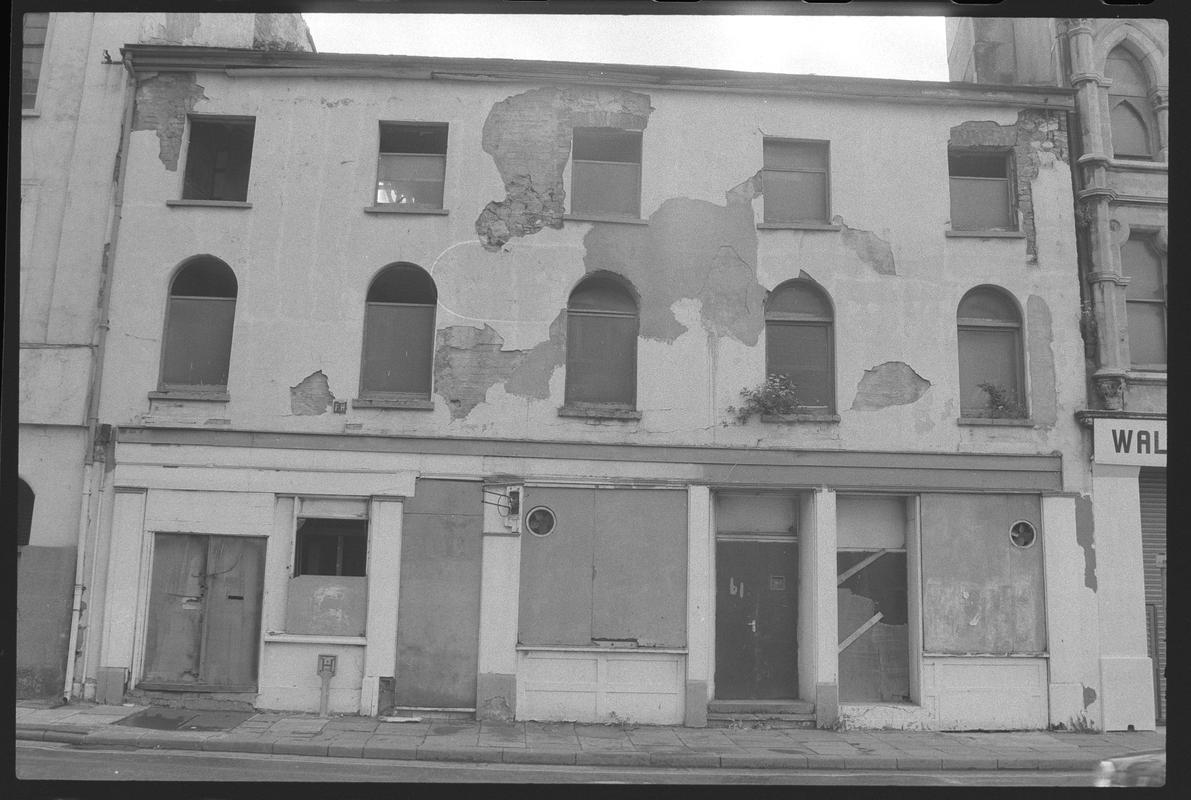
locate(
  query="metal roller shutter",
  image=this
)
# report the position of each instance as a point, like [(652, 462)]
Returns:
[(1152, 493)]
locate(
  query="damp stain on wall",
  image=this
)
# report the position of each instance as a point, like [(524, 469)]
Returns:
[(1043, 406), (162, 103), (529, 137)]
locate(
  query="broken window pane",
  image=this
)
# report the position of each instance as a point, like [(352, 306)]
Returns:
[(875, 664), (218, 159), (331, 547), (411, 168), (606, 172), (795, 181)]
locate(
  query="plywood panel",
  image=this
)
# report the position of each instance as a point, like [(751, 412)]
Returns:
[(231, 645), (174, 630), (439, 606), (556, 585), (326, 604), (981, 594)]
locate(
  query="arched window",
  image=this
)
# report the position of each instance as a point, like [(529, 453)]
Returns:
[(198, 326), (799, 342), (25, 500), (602, 343), (1130, 110), (399, 334), (990, 360)]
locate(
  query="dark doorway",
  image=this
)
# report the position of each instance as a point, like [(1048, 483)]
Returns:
[(756, 620), (203, 630)]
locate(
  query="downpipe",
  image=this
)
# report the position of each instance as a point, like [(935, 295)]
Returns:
[(76, 606)]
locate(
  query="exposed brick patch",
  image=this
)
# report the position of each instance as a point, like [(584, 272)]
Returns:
[(1037, 139), (893, 383), (162, 103), (469, 361), (312, 396), (529, 137), (1084, 530)]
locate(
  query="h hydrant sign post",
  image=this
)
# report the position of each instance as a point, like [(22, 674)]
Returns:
[(326, 669)]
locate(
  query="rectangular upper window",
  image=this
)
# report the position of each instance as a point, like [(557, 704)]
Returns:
[(981, 191), (606, 172), (218, 158), (331, 547), (1145, 301), (412, 165), (795, 181), (32, 48)]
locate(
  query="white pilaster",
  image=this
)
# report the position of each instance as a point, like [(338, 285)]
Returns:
[(384, 585), (700, 606), (123, 579)]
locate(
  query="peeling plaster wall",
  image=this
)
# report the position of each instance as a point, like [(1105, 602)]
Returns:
[(162, 104), (305, 252)]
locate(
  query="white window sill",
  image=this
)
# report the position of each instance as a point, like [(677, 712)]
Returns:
[(306, 638), (209, 203), (214, 396), (30, 112), (599, 412), (1011, 422), (985, 234), (1147, 374), (605, 218), (397, 208), (787, 419), (1142, 164), (593, 648), (410, 404), (797, 226)]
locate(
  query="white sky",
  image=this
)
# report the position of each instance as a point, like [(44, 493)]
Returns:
[(911, 48)]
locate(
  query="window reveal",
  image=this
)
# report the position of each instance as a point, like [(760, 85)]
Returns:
[(989, 339), (218, 159), (398, 350), (199, 320), (798, 342), (795, 179), (606, 172), (1145, 302), (981, 191), (602, 328), (411, 166)]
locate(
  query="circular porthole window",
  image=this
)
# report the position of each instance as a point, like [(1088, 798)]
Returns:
[(540, 521), (1022, 533)]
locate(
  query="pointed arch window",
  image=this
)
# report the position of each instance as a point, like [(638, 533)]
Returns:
[(990, 355), (1131, 114), (799, 342), (602, 325), (399, 334), (198, 327)]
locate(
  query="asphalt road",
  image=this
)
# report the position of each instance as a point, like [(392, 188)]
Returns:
[(46, 761)]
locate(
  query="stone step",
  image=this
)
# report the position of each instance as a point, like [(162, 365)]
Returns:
[(760, 721), (761, 707)]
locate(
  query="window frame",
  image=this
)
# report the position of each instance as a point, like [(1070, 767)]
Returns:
[(805, 320), (34, 108), (380, 153), (569, 400), (381, 397), (340, 537), (186, 177), (825, 172), (597, 213), (1009, 163), (1146, 238), (981, 325), (211, 389), (1141, 105)]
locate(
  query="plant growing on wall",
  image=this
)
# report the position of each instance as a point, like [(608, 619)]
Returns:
[(778, 395), (1002, 402)]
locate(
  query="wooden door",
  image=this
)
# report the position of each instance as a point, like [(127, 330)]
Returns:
[(203, 628), (756, 620)]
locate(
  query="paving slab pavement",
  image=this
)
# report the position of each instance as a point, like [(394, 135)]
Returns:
[(621, 745)]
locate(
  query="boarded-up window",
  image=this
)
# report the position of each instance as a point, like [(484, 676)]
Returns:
[(327, 593), (218, 159), (25, 498), (981, 191), (795, 180), (1130, 110), (32, 49), (601, 344), (980, 592), (198, 330), (1145, 301), (990, 361), (412, 165), (613, 569), (798, 342), (606, 172), (399, 334)]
